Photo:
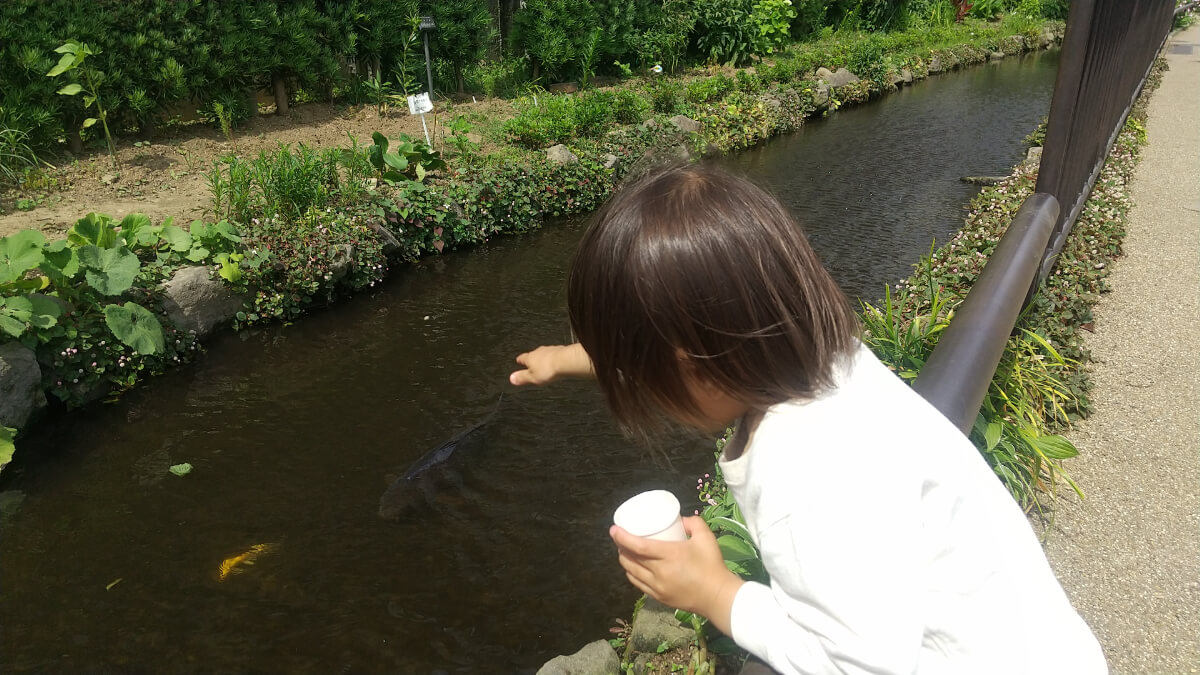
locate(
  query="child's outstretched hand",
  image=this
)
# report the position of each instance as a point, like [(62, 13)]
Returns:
[(549, 362), (688, 575)]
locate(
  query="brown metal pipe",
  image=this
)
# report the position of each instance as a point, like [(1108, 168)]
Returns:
[(958, 373)]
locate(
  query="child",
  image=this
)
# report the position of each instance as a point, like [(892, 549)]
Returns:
[(891, 545)]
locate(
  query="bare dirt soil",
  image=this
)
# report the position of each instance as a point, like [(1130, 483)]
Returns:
[(165, 176)]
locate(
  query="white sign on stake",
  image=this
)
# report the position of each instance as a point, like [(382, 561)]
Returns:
[(419, 105)]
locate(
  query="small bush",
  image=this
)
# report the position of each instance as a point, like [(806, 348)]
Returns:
[(558, 119), (709, 89), (666, 96)]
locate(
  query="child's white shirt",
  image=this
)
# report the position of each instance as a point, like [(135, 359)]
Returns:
[(891, 545)]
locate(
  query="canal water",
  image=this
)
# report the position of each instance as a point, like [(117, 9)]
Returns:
[(269, 556)]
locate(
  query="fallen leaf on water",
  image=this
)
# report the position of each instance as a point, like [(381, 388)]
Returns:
[(181, 469), (113, 583)]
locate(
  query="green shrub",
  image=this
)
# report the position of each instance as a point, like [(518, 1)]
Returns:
[(559, 119), (553, 33), (709, 89), (725, 32), (497, 78), (666, 96), (664, 40), (867, 59), (773, 20), (464, 33), (537, 125), (809, 19)]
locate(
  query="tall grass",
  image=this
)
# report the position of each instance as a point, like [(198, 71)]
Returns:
[(286, 183), (1026, 401), (16, 156)]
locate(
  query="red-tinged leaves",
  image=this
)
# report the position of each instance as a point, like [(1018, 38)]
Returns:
[(439, 245)]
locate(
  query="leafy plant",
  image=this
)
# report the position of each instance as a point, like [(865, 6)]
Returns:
[(74, 57), (665, 39), (459, 138), (16, 155), (587, 59), (409, 160), (774, 20), (725, 32)]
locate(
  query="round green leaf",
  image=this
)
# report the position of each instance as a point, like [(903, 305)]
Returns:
[(20, 253), (71, 89), (94, 228), (177, 238), (89, 122), (136, 327), (10, 325), (61, 263), (110, 271)]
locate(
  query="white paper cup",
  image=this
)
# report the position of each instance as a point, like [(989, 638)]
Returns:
[(653, 514)]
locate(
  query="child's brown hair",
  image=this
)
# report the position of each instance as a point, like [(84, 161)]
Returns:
[(692, 273)]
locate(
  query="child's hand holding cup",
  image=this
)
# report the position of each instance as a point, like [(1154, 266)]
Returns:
[(653, 514)]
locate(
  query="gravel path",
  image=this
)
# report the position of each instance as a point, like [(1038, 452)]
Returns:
[(1129, 556)]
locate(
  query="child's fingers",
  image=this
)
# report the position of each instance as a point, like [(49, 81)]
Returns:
[(637, 583), (638, 546), (696, 527), (634, 567)]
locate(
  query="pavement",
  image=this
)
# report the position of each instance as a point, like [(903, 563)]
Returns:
[(1129, 555)]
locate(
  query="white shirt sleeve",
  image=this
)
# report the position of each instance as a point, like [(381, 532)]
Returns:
[(846, 587)]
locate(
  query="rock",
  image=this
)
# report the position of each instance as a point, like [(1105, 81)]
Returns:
[(935, 65), (772, 102), (839, 78), (640, 663), (648, 125), (611, 161), (894, 79), (821, 96), (654, 624), (996, 56), (195, 301), (824, 74), (560, 154), (983, 180), (711, 150), (686, 124), (563, 88), (1046, 38), (21, 392), (906, 75), (342, 257), (597, 658), (109, 178), (389, 241), (1034, 156)]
